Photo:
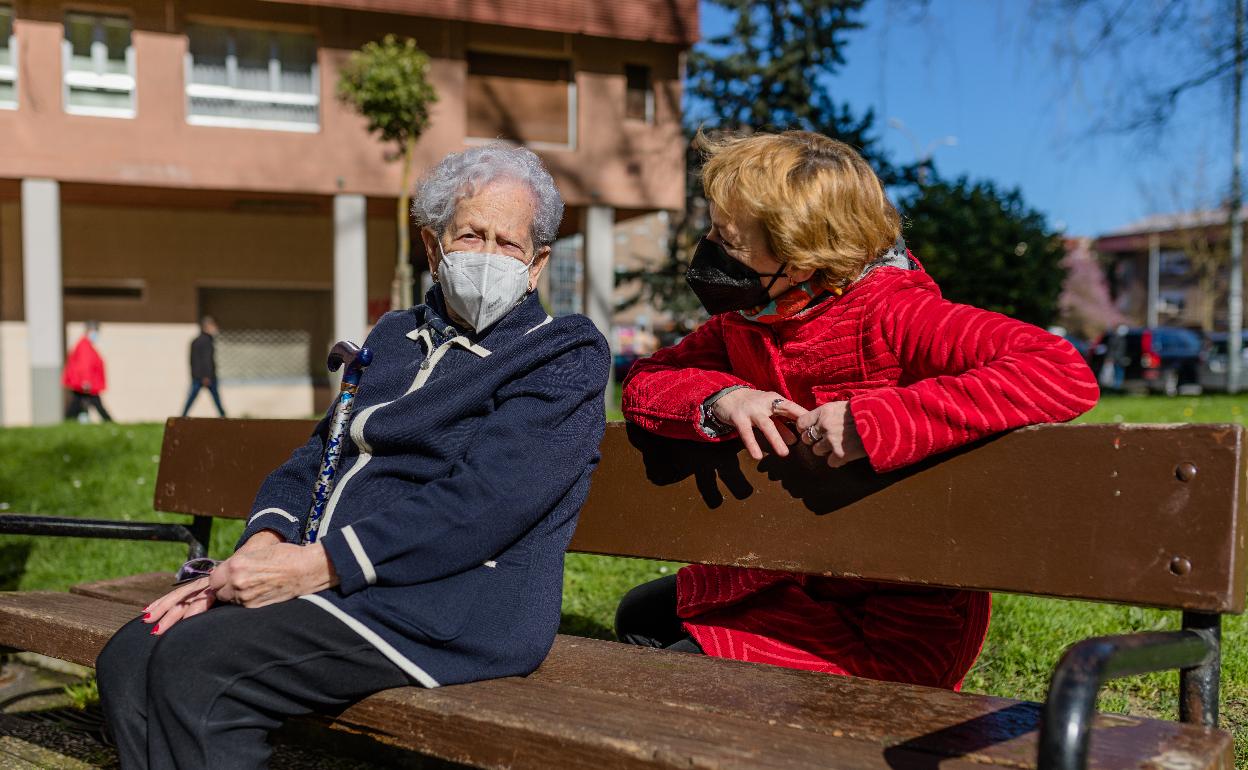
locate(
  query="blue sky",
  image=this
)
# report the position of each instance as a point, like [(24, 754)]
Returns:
[(982, 71)]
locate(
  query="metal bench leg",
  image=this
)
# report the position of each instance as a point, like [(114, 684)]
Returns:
[(1199, 686), (201, 533)]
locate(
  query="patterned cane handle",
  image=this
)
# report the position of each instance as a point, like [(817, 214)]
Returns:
[(356, 360)]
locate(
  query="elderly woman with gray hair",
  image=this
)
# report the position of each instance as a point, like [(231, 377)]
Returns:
[(439, 559)]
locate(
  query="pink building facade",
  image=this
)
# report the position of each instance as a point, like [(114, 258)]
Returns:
[(163, 160)]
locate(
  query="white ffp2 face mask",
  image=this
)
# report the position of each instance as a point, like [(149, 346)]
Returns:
[(481, 287)]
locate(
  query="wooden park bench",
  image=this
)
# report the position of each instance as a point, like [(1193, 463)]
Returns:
[(1139, 515)]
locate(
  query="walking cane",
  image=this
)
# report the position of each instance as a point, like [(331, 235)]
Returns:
[(356, 360)]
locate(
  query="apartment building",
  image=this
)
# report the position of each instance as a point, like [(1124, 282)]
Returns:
[(1170, 269), (165, 159)]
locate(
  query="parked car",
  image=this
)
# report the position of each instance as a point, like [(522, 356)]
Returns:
[(1159, 359), (1081, 346), (1214, 359)]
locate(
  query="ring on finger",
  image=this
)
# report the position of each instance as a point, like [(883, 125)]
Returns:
[(813, 434), (775, 404)]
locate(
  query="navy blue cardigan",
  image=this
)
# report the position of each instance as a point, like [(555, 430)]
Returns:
[(459, 492)]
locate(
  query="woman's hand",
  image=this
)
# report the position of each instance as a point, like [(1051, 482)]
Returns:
[(262, 539), (255, 577), (182, 602), (289, 571), (747, 409), (830, 430)]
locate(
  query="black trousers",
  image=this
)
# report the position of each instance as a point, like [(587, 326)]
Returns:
[(647, 617), (207, 692), (78, 403)]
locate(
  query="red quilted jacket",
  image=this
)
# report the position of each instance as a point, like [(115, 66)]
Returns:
[(84, 369), (922, 375)]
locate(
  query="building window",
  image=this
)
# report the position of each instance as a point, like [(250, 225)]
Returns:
[(252, 78), (521, 99), (98, 62), (565, 275), (111, 290), (1174, 263), (639, 99), (8, 59)]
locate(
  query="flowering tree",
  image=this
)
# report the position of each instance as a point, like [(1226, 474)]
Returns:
[(1085, 306)]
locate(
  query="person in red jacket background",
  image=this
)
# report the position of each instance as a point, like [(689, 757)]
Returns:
[(84, 376), (825, 329)]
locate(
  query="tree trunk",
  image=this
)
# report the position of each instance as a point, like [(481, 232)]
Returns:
[(401, 289)]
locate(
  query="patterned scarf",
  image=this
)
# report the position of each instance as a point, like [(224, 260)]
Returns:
[(810, 294)]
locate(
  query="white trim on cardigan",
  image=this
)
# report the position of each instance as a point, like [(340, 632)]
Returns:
[(370, 636), (278, 511), (357, 550)]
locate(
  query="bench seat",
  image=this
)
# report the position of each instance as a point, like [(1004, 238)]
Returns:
[(611, 705)]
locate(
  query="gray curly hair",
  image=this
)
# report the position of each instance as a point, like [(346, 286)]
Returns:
[(462, 174)]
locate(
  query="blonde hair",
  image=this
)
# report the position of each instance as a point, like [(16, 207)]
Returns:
[(820, 204)]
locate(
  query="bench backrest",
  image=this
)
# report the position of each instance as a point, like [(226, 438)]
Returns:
[(1139, 514)]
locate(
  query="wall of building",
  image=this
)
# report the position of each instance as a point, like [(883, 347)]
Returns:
[(174, 254), (15, 405), (11, 301), (666, 21), (148, 377), (155, 210), (628, 164), (173, 251)]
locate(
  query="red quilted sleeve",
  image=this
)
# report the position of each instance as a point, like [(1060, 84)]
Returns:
[(966, 373), (664, 393)]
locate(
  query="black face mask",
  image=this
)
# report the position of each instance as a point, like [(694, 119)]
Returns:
[(723, 284)]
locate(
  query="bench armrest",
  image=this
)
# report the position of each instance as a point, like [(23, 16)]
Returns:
[(194, 535), (1086, 666)]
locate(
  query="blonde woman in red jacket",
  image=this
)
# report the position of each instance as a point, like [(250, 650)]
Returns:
[(824, 329)]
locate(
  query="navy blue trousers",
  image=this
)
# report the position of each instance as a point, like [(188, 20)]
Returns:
[(212, 389), (207, 692)]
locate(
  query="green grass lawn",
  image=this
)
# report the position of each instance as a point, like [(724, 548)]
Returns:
[(109, 471)]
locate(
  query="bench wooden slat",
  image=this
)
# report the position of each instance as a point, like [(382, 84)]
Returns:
[(136, 590), (532, 724), (588, 687), (1058, 510), (60, 625)]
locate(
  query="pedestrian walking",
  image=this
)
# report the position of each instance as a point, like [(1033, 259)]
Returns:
[(204, 365), (84, 377)]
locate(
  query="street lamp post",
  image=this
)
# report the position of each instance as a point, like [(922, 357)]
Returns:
[(923, 154)]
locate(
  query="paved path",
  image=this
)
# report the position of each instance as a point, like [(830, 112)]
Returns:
[(41, 730)]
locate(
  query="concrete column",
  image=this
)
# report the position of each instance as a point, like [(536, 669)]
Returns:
[(598, 225), (350, 268), (1154, 280), (41, 267)]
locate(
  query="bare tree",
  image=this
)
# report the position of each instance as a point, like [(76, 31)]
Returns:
[(1162, 54), (1198, 230), (1209, 251), (1153, 57)]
